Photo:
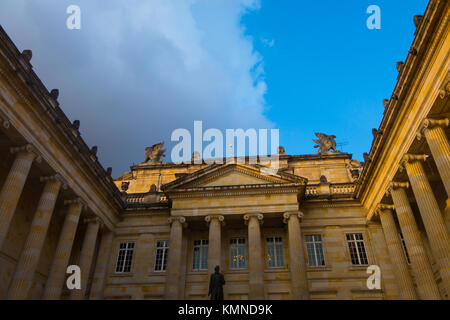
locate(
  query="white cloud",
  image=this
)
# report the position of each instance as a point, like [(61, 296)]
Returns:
[(138, 69), (268, 42)]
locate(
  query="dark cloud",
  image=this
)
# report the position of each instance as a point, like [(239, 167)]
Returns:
[(137, 70)]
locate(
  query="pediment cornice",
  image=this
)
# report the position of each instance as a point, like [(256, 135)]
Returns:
[(199, 180)]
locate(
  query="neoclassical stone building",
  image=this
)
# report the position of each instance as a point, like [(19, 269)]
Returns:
[(310, 231)]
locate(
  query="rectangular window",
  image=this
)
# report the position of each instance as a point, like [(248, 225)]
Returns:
[(237, 253), (357, 249), (200, 259), (162, 251), (315, 251), (405, 250), (125, 257), (275, 255)]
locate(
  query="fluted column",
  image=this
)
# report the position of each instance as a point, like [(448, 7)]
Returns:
[(101, 267), (299, 280), (434, 133), (421, 267), (447, 214), (57, 274), (31, 252), (13, 186), (255, 261), (87, 256), (398, 259), (174, 260), (214, 244), (431, 215)]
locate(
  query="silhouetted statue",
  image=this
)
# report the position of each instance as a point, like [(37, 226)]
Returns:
[(215, 285)]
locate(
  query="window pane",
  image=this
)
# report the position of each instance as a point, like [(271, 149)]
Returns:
[(271, 254), (124, 257), (357, 249), (204, 255), (311, 256), (319, 253), (280, 255), (196, 259)]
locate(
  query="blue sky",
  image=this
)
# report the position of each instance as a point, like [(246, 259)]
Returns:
[(139, 69), (326, 71)]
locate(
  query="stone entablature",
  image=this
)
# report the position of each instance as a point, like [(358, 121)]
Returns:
[(34, 114), (411, 103), (339, 169)]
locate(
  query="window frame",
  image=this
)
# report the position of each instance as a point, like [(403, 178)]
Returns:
[(276, 264), (244, 254), (164, 258), (315, 250), (203, 243), (355, 241), (125, 257)]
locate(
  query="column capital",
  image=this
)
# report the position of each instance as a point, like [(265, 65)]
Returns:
[(289, 214), (93, 220), (6, 124), (256, 215), (180, 219), (76, 201), (27, 148), (219, 217), (382, 207), (55, 177), (394, 185), (430, 124), (412, 158), (445, 91)]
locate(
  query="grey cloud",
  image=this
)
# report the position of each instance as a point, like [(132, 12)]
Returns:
[(137, 70)]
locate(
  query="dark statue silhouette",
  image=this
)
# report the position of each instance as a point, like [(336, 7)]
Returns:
[(215, 285)]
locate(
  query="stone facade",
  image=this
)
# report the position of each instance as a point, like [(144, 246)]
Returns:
[(309, 231)]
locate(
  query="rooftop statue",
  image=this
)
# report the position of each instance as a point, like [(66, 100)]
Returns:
[(154, 153), (325, 143)]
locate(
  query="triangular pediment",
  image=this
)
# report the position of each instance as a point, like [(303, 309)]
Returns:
[(233, 175)]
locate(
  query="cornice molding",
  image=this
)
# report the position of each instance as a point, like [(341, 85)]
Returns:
[(428, 37), (232, 191), (193, 181), (30, 93)]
